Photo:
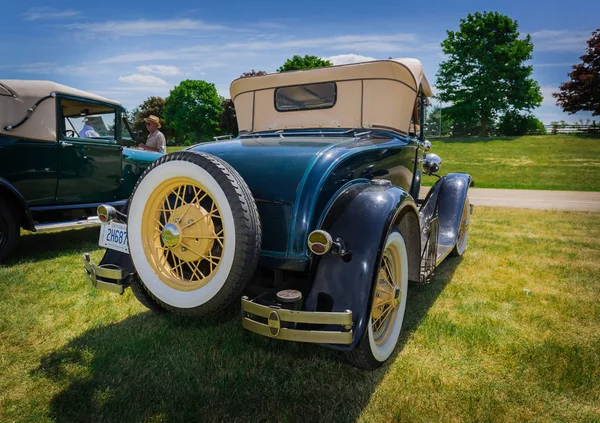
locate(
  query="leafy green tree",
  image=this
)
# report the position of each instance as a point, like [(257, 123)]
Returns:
[(228, 119), (306, 62), (582, 92), (193, 110), (151, 106), (514, 123), (484, 75)]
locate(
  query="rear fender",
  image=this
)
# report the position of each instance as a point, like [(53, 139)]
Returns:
[(10, 193), (446, 198), (362, 216)]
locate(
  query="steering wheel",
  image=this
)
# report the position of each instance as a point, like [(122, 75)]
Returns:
[(70, 133)]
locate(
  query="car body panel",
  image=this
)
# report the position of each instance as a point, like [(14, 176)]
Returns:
[(338, 284), (31, 167), (292, 179)]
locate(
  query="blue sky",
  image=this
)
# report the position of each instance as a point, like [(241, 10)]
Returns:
[(130, 50)]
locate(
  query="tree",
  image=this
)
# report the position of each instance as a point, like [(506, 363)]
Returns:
[(193, 110), (514, 123), (228, 119), (306, 62), (484, 75), (151, 106), (582, 92)]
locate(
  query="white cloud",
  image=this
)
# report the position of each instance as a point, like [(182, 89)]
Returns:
[(159, 69), (143, 27), (344, 42), (560, 40), (50, 68), (142, 79), (344, 59), (36, 13)]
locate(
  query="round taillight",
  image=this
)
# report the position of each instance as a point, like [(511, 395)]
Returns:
[(106, 213), (319, 242)]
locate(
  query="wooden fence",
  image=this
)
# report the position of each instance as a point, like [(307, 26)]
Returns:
[(561, 128)]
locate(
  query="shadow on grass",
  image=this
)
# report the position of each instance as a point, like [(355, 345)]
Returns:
[(165, 368), (48, 245)]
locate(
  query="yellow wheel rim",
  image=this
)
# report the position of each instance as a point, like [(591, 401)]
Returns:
[(183, 233), (387, 296)]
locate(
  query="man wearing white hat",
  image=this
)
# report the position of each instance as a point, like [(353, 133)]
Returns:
[(88, 130), (156, 140)]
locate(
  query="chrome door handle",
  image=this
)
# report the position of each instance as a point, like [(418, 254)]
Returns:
[(66, 144)]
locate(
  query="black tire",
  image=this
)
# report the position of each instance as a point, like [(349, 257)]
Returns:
[(10, 230), (463, 230), (167, 273), (144, 297), (379, 341)]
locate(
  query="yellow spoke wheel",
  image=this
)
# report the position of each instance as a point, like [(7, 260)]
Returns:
[(387, 297), (183, 233), (194, 234), (390, 288)]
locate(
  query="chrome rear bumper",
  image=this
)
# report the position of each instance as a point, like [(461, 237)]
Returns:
[(280, 323), (105, 277)]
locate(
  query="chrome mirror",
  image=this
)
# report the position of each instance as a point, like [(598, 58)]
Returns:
[(432, 163), (426, 146)]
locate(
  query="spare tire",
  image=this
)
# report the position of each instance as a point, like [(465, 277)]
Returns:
[(194, 233)]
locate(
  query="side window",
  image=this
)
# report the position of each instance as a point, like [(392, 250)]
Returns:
[(414, 127), (87, 120)]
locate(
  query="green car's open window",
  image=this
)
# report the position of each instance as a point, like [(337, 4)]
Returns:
[(80, 119), (126, 134)]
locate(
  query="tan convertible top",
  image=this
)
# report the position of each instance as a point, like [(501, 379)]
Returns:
[(377, 94), (17, 96)]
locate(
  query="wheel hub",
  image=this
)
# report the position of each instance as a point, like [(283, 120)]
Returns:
[(189, 233), (170, 235)]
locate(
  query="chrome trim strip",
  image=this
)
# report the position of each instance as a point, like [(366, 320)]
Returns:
[(91, 221), (315, 317), (313, 336)]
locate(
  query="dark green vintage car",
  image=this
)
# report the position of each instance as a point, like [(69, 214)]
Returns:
[(310, 220), (62, 153)]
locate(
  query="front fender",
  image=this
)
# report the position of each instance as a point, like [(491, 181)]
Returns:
[(8, 191), (361, 215), (446, 198)]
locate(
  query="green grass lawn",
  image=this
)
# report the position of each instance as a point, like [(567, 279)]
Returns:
[(547, 162), (510, 332)]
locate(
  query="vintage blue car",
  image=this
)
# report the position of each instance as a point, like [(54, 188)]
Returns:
[(310, 217), (63, 152)]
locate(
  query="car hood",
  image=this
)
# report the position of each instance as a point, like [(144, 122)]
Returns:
[(273, 168)]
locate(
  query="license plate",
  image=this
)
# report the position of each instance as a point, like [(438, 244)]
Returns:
[(113, 235)]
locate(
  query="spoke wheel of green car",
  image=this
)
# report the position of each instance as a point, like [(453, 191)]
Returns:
[(10, 231), (463, 230), (388, 306), (194, 233)]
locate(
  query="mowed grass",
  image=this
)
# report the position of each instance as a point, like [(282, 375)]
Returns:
[(546, 162), (510, 332)]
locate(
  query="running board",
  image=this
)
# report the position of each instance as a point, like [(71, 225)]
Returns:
[(45, 227)]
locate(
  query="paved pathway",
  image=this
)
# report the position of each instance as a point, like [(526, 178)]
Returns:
[(532, 199)]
